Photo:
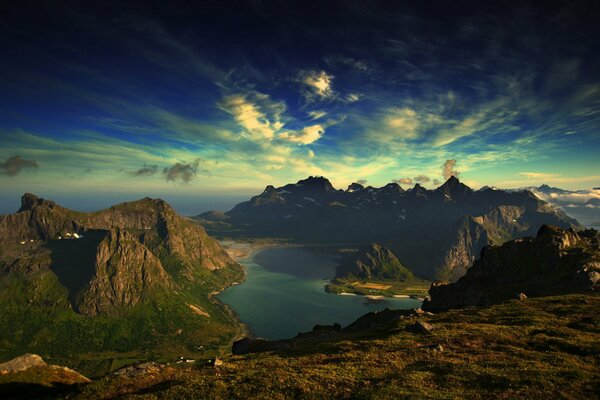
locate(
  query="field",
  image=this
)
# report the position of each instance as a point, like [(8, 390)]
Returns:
[(379, 288)]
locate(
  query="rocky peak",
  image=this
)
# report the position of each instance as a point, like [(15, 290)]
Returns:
[(317, 182), (29, 201), (355, 187), (454, 188), (393, 187), (269, 189)]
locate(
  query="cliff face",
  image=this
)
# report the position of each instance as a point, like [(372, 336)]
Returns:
[(555, 262), (373, 262), (110, 259), (125, 272)]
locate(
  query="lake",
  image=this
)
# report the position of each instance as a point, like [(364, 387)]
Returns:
[(284, 293)]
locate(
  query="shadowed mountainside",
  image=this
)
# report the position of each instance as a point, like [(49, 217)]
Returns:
[(434, 233)]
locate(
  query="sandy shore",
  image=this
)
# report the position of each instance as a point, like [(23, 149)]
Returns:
[(243, 250)]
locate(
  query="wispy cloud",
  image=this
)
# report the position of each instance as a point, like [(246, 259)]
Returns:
[(307, 135)]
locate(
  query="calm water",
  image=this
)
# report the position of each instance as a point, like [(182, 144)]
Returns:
[(284, 293)]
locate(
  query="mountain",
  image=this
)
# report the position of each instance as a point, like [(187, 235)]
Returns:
[(556, 261), (373, 262), (436, 233), (131, 276)]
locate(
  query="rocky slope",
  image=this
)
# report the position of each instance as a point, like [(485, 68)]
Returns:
[(436, 233), (556, 261), (373, 262), (137, 264)]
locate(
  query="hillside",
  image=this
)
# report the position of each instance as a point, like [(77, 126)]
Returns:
[(556, 261), (535, 348), (438, 233), (124, 282), (373, 270)]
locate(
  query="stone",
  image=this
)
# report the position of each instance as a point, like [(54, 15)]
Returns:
[(521, 296), (22, 363), (420, 327)]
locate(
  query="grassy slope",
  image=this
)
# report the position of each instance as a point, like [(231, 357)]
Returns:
[(536, 348)]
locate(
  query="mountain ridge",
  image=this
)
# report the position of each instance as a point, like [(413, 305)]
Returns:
[(438, 233)]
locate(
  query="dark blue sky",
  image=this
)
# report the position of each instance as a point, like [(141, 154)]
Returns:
[(221, 98)]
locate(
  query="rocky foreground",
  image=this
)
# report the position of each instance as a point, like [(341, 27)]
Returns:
[(556, 261), (536, 348)]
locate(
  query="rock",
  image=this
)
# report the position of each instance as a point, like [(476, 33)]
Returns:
[(133, 371), (529, 265), (217, 362), (420, 327), (22, 363)]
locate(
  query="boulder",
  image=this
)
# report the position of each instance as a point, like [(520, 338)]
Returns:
[(420, 327), (22, 363)]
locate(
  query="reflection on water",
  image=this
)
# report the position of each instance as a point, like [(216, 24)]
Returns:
[(284, 293)]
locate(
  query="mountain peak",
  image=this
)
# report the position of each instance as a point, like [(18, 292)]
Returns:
[(316, 182), (453, 187), (29, 201), (355, 187)]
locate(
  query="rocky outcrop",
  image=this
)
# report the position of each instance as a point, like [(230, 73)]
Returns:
[(126, 272), (373, 262), (437, 233), (22, 363), (45, 374), (555, 262)]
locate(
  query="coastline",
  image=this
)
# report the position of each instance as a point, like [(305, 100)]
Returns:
[(238, 251)]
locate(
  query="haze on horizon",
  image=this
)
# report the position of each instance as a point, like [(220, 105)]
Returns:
[(204, 107)]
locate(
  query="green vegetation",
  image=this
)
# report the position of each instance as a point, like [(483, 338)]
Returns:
[(534, 348), (389, 288)]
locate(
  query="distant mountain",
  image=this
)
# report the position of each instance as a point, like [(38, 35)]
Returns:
[(555, 262), (373, 262), (435, 233), (134, 261)]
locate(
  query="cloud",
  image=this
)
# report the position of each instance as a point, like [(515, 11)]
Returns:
[(316, 114), (307, 135), (362, 182), (537, 175), (404, 121), (353, 97), (255, 112), (422, 179), (448, 169), (146, 170), (15, 164), (310, 153), (403, 181), (436, 182), (183, 172), (319, 85)]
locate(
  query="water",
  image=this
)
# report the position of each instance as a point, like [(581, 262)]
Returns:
[(284, 293)]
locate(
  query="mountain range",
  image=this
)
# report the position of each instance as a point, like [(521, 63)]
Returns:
[(130, 276), (435, 233)]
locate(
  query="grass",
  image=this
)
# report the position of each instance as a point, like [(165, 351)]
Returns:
[(535, 349), (381, 288)]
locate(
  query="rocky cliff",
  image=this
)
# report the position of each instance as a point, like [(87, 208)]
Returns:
[(555, 262)]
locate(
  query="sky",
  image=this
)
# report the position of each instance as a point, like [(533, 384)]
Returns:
[(206, 104)]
